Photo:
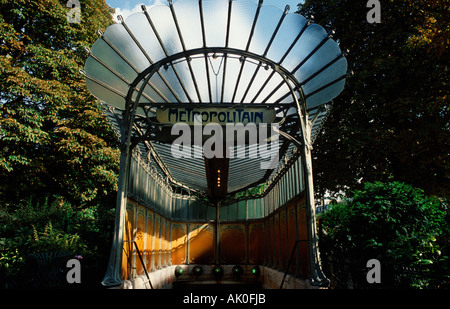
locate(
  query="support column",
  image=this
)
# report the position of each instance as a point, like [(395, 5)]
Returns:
[(316, 274), (113, 276), (217, 233), (315, 268)]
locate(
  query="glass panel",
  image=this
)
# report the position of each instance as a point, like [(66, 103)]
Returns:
[(273, 83), (293, 182), (184, 208), (233, 211), (192, 212), (330, 74), (242, 210), (257, 85), (246, 75), (202, 211), (251, 209), (242, 17), (188, 17), (259, 208), (175, 207), (215, 13), (107, 55), (211, 213), (142, 30), (182, 69), (187, 210), (169, 75), (271, 201), (309, 40), (138, 183), (288, 185), (290, 28), (131, 179), (277, 196), (159, 84), (100, 73), (301, 175), (223, 212), (164, 24), (105, 95), (233, 66), (153, 92), (119, 37), (329, 51), (333, 72), (265, 27), (199, 66), (325, 95)]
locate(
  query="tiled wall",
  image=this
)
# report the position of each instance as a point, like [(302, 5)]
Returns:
[(266, 241)]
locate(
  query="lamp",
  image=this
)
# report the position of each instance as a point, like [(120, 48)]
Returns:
[(237, 271), (178, 271), (197, 270), (256, 271), (217, 271)]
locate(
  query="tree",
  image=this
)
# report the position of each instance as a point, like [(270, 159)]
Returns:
[(397, 225), (54, 139), (392, 120)]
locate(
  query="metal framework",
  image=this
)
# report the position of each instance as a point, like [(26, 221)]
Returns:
[(210, 53)]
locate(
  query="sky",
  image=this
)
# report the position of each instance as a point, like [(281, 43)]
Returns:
[(127, 7)]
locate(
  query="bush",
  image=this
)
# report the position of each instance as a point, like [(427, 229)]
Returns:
[(35, 227), (395, 224), (53, 240)]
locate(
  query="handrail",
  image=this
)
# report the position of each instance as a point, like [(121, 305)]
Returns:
[(142, 261), (290, 260)]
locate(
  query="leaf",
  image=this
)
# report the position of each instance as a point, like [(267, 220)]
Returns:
[(50, 126), (426, 262)]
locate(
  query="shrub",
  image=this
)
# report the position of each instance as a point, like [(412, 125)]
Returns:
[(395, 224), (53, 240), (35, 227)]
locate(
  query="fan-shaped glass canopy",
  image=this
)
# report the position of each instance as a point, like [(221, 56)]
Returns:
[(211, 54)]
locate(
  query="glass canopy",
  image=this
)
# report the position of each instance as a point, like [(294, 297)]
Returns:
[(211, 53)]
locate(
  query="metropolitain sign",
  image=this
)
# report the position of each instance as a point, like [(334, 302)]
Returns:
[(220, 115)]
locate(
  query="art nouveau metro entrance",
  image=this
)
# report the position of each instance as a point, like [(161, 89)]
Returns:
[(224, 63)]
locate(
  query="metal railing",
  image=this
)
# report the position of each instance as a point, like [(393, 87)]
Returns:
[(290, 261), (142, 260)]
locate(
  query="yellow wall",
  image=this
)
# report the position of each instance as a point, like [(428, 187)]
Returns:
[(163, 242)]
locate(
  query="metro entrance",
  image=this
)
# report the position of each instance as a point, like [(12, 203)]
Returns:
[(218, 62)]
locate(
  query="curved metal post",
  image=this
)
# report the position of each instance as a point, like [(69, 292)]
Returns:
[(113, 276), (316, 274)]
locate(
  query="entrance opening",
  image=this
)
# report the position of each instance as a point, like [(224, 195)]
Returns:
[(199, 199)]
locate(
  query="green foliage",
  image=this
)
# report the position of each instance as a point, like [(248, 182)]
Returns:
[(395, 224), (391, 122), (11, 261), (53, 240), (54, 139), (51, 225), (58, 153)]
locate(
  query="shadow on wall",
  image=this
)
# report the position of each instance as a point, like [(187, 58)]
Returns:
[(268, 241)]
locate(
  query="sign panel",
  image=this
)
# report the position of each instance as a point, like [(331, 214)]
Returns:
[(220, 115)]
